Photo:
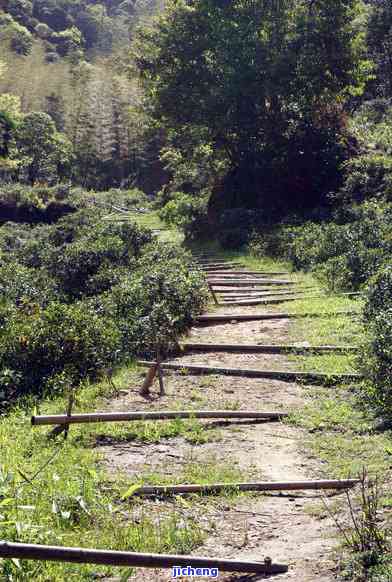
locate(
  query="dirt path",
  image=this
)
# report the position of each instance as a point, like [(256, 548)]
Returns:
[(280, 526)]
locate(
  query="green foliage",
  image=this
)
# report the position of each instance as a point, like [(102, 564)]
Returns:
[(378, 317), (379, 39), (83, 294), (46, 153), (368, 174), (257, 84), (163, 297), (21, 39), (189, 213), (21, 203), (40, 347), (343, 256)]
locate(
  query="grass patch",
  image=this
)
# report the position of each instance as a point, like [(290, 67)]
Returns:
[(51, 493)]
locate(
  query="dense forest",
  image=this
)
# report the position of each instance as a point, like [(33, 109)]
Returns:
[(259, 127)]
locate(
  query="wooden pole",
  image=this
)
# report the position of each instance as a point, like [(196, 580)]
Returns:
[(253, 373), (269, 301), (224, 273), (235, 317), (248, 282), (61, 419), (267, 349), (262, 486), (131, 559), (221, 289), (267, 294), (272, 301)]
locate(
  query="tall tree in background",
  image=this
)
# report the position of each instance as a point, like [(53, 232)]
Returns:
[(45, 153), (265, 82), (379, 38)]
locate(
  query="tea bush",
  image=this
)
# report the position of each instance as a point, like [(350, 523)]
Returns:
[(378, 318), (155, 304), (344, 252), (38, 346), (79, 296)]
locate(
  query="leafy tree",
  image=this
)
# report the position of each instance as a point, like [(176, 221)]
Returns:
[(265, 82), (45, 152), (379, 36), (9, 118)]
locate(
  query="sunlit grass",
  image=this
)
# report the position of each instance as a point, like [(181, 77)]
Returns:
[(51, 492)]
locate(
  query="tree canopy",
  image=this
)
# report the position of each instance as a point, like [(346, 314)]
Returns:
[(265, 81)]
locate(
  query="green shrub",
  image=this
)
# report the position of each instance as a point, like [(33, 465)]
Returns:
[(157, 303), (22, 285), (83, 294), (189, 213), (344, 252), (37, 347), (378, 318)]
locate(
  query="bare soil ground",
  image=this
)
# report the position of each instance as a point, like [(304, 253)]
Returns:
[(281, 526)]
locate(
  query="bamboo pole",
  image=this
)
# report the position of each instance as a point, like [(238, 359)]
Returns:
[(61, 419), (253, 373), (270, 301), (261, 486), (222, 273), (131, 559), (235, 317), (267, 349), (248, 282), (259, 294), (258, 289)]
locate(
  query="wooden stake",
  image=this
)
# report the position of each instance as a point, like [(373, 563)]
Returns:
[(148, 381), (11, 550), (314, 377), (160, 375), (87, 418), (69, 411), (262, 486), (213, 294)]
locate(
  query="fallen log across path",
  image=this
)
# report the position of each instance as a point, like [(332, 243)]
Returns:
[(262, 486), (284, 375), (11, 550), (156, 415)]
